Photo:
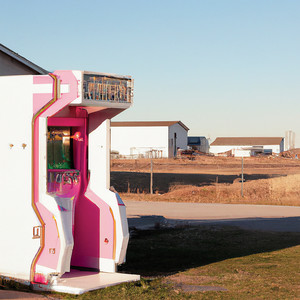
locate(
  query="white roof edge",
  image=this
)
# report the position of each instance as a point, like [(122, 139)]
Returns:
[(23, 60)]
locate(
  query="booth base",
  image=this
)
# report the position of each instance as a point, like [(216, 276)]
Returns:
[(79, 282)]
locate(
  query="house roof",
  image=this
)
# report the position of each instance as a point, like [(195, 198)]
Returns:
[(246, 141), (147, 123), (22, 60)]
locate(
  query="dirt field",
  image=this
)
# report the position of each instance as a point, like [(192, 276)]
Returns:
[(268, 180)]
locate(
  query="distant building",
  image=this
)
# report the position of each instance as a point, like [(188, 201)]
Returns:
[(247, 146), (137, 139), (289, 141), (12, 63), (199, 143)]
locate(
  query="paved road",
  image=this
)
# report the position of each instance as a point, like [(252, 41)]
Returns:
[(145, 215)]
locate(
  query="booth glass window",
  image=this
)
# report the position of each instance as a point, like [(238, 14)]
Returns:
[(59, 148)]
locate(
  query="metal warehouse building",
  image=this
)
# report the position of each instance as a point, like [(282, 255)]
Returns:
[(247, 146)]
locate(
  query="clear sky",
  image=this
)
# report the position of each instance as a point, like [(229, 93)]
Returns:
[(224, 68)]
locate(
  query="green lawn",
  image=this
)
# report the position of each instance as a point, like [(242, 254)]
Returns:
[(248, 264)]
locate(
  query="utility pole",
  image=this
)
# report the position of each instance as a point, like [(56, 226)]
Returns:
[(242, 192), (151, 173)]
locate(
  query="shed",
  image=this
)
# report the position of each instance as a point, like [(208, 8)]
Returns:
[(137, 139)]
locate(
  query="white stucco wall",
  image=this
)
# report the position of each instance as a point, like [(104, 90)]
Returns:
[(99, 155), (17, 217), (139, 140)]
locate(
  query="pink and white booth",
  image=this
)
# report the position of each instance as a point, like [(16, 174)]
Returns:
[(61, 227)]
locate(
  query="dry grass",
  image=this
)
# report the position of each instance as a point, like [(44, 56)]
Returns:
[(284, 190), (210, 165), (200, 160), (273, 191)]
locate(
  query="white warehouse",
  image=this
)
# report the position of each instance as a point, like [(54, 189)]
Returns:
[(137, 139), (247, 146)]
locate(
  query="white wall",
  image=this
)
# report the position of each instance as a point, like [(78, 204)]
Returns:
[(204, 147), (139, 140), (181, 138), (17, 217), (99, 156), (221, 149), (241, 153), (275, 148)]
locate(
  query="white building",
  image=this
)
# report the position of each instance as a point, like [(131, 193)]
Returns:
[(136, 139), (247, 146)]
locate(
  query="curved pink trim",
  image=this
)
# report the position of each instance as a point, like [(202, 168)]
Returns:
[(65, 77)]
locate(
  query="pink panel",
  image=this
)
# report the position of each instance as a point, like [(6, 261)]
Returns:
[(36, 162), (42, 79), (66, 122), (86, 234), (40, 278), (94, 234), (66, 77), (40, 100), (106, 225)]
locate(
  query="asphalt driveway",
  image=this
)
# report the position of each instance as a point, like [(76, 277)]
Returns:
[(145, 215)]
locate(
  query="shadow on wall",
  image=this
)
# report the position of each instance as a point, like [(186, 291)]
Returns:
[(139, 182)]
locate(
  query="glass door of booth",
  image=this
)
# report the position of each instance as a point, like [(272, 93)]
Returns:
[(59, 148)]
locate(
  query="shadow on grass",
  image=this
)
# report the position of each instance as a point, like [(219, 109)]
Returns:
[(166, 251), (133, 181)]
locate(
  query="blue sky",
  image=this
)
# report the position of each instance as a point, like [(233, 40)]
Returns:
[(224, 68)]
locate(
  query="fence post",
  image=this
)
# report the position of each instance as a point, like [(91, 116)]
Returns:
[(242, 191), (151, 173)]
